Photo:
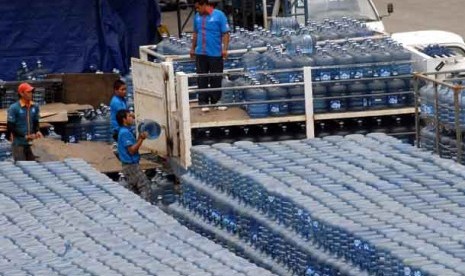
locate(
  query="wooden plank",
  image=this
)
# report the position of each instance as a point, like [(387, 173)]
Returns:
[(367, 113), (234, 116), (98, 155), (52, 113)]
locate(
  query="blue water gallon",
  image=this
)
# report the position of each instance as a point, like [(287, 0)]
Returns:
[(256, 94), (361, 59), (322, 59), (400, 56), (278, 93), (227, 96), (345, 61), (356, 90), (381, 55), (319, 105), (378, 87), (152, 128), (337, 104), (396, 100), (427, 108), (297, 92)]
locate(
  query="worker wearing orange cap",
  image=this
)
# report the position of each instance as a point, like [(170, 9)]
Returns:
[(23, 124)]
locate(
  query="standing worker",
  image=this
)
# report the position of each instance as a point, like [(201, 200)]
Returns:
[(209, 46), (117, 103), (23, 124), (128, 150)]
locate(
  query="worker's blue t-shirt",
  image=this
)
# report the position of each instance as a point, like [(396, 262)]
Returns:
[(125, 140), (23, 118), (210, 29), (116, 104)]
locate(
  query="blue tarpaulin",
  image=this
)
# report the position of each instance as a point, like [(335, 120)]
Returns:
[(69, 36)]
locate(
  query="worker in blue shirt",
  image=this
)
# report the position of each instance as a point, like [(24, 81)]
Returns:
[(128, 151), (210, 44), (117, 103), (23, 124)]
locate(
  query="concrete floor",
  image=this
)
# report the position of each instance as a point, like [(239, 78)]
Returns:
[(409, 15)]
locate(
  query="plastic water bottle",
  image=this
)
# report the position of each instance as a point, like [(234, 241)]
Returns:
[(163, 47), (307, 43), (361, 58), (356, 90), (345, 60), (251, 61), (152, 128), (101, 128), (297, 92), (381, 55), (52, 134), (256, 94), (400, 54), (322, 59), (319, 105), (278, 93), (396, 100), (227, 96), (427, 107), (378, 87), (5, 148), (337, 104)]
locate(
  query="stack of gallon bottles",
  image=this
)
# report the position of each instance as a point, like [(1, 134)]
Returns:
[(5, 149), (92, 125), (446, 115), (354, 205), (438, 51), (129, 90), (65, 218)]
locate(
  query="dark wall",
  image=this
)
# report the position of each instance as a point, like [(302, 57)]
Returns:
[(69, 35)]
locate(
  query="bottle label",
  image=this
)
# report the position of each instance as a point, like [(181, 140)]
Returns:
[(325, 76), (335, 104), (344, 75), (393, 99)]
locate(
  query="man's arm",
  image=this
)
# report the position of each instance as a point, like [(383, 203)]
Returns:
[(11, 125), (135, 148), (225, 45), (194, 45)]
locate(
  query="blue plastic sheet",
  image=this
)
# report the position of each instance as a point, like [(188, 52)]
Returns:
[(70, 36)]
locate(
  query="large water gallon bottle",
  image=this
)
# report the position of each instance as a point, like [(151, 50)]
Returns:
[(362, 58), (400, 54), (5, 148), (52, 134), (319, 105), (381, 56), (358, 89), (283, 61), (396, 100), (239, 92), (322, 59), (101, 127), (300, 60), (278, 93), (163, 47), (328, 33), (152, 128), (38, 96), (307, 42), (256, 94), (345, 61), (400, 129), (428, 138), (427, 107), (377, 87), (87, 129), (40, 72), (337, 104), (297, 92), (462, 109), (251, 61), (227, 96), (267, 58)]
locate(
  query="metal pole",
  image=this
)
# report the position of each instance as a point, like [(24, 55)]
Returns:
[(436, 118), (265, 14), (458, 131), (417, 114), (178, 13)]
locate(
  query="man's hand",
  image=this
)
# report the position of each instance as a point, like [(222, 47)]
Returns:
[(192, 53), (39, 135), (224, 53), (143, 135), (31, 137)]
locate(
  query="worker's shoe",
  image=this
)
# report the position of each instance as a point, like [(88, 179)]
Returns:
[(221, 108), (205, 109)]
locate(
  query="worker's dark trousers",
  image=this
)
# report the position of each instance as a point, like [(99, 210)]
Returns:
[(206, 64)]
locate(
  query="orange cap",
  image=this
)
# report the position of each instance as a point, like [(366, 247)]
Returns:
[(25, 87)]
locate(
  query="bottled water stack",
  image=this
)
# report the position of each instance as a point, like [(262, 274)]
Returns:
[(379, 204), (65, 218)]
